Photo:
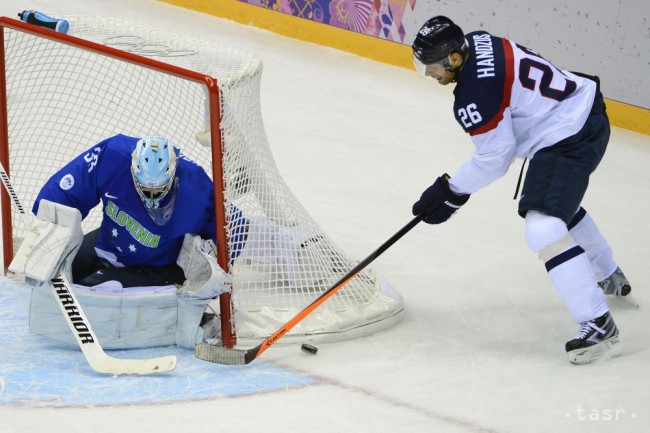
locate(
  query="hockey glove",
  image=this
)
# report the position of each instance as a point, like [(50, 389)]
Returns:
[(205, 278), (438, 202)]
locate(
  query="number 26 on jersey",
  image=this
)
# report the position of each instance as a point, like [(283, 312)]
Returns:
[(469, 115)]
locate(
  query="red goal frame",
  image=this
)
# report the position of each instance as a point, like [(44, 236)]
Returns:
[(214, 100)]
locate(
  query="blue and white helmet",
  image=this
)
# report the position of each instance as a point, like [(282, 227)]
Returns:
[(153, 166)]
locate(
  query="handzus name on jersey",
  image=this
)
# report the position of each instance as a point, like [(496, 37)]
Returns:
[(139, 233), (484, 56)]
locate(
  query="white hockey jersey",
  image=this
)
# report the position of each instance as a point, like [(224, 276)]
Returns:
[(513, 103)]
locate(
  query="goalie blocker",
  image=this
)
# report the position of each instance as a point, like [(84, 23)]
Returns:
[(52, 242)]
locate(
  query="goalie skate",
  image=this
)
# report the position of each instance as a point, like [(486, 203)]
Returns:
[(596, 340)]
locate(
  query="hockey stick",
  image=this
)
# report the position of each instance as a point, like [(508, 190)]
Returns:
[(97, 359), (223, 355)]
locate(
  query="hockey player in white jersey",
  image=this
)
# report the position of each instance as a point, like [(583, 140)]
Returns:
[(516, 104)]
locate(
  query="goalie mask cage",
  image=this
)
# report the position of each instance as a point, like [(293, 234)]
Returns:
[(60, 94)]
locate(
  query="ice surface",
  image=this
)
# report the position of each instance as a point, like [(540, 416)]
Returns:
[(481, 345)]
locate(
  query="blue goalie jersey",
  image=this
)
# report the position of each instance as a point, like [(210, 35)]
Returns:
[(128, 235)]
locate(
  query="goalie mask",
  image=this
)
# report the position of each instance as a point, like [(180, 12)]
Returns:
[(438, 38), (153, 166)]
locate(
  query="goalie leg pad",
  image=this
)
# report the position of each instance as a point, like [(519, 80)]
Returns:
[(133, 318), (121, 318), (140, 317), (188, 329)]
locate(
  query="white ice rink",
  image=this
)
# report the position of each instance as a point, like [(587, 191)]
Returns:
[(481, 348)]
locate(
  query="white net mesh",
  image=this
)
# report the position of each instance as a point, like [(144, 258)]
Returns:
[(63, 99)]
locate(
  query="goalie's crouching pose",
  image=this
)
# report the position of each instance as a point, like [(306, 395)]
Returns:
[(146, 276)]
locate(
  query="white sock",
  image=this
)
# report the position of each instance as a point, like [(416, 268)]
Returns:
[(584, 230), (568, 266)]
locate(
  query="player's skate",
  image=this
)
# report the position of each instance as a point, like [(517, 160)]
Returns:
[(617, 286), (596, 339)]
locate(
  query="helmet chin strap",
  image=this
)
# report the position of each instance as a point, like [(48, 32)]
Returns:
[(448, 66), (455, 72)]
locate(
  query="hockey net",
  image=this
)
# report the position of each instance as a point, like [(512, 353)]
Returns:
[(64, 94)]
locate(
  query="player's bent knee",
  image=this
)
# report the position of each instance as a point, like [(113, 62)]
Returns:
[(543, 231)]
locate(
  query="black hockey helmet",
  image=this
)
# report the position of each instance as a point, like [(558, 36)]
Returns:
[(438, 38)]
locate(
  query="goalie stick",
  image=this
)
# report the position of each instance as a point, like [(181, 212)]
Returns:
[(97, 359), (223, 355)]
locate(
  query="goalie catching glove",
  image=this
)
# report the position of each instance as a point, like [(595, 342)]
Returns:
[(438, 202), (52, 242), (205, 280)]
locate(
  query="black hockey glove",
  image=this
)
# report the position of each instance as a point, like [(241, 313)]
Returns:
[(438, 202)]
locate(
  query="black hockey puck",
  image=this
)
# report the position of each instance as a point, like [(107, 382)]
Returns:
[(308, 348)]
